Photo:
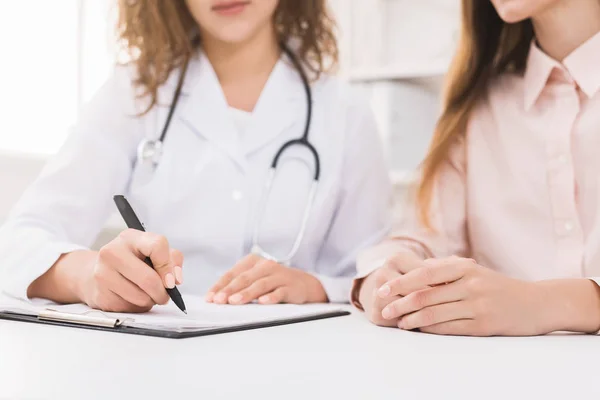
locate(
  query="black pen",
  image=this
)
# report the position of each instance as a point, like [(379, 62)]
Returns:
[(133, 222)]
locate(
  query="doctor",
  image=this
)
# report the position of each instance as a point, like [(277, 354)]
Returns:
[(219, 99)]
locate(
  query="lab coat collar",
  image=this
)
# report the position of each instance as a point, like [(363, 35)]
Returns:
[(281, 105), (204, 109)]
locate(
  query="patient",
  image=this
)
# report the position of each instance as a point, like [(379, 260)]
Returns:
[(505, 237)]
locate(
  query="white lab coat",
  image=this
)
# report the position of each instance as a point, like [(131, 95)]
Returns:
[(204, 195)]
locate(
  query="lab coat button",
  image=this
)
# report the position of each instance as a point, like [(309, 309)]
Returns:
[(236, 195)]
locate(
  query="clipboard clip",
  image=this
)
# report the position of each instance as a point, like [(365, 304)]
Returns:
[(82, 319)]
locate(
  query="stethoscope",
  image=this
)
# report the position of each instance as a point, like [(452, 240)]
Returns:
[(150, 151)]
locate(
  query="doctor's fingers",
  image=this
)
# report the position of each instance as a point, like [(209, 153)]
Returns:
[(136, 271), (243, 265), (261, 269), (155, 247), (257, 289), (279, 295), (108, 279), (177, 261), (108, 301), (283, 294)]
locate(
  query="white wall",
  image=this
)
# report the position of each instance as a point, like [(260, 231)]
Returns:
[(78, 51), (17, 171), (398, 52), (386, 39)]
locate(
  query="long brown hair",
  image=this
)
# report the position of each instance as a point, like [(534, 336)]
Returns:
[(159, 36), (487, 47)]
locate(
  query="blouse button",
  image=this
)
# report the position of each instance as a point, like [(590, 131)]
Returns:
[(562, 159), (569, 227)]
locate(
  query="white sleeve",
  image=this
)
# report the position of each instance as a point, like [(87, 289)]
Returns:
[(68, 204), (363, 217)]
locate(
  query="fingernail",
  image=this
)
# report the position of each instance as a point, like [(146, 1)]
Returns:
[(170, 281), (384, 291), (209, 297), (401, 324), (220, 298), (386, 313), (263, 299), (178, 275), (236, 298)]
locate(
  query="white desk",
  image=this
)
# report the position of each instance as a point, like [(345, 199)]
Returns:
[(342, 358)]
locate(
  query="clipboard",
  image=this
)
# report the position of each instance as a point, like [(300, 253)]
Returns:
[(109, 324)]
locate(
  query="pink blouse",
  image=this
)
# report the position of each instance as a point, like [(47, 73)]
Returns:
[(521, 193)]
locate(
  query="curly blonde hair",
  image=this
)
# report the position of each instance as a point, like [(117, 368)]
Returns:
[(160, 36)]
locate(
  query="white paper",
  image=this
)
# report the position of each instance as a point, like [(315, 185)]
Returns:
[(201, 315)]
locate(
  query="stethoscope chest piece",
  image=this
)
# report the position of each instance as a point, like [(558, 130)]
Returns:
[(150, 152)]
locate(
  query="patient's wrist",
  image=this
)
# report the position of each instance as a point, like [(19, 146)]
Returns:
[(574, 305)]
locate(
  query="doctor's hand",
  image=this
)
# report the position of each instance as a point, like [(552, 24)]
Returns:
[(118, 279), (254, 278), (456, 296)]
